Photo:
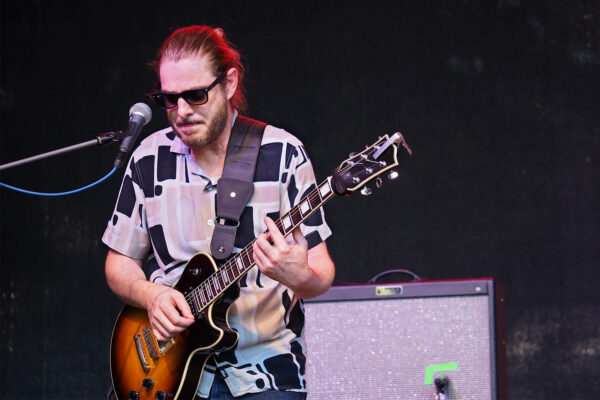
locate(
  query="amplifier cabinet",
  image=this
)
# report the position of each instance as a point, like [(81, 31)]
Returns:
[(393, 340)]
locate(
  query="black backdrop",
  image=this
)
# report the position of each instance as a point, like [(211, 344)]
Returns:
[(498, 99)]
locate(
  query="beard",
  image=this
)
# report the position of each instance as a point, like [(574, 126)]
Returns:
[(214, 127)]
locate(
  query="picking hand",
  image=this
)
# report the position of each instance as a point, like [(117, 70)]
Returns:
[(169, 313)]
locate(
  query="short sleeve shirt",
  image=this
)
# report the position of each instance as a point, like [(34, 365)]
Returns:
[(166, 206)]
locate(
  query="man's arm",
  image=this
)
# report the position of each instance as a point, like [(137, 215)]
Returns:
[(308, 273), (168, 311)]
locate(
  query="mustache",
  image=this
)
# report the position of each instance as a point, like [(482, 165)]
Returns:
[(188, 121)]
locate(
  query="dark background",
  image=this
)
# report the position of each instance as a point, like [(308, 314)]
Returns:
[(498, 99)]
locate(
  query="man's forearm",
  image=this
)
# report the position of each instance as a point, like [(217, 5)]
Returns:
[(321, 273), (126, 279)]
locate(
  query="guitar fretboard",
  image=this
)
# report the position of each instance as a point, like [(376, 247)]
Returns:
[(234, 268)]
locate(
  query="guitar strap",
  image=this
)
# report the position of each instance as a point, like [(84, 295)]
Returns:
[(235, 187)]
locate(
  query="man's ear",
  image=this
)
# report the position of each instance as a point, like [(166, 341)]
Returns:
[(231, 82)]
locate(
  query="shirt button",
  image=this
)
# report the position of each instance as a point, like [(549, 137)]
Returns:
[(210, 222)]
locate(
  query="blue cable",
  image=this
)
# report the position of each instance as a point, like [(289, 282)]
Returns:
[(61, 193)]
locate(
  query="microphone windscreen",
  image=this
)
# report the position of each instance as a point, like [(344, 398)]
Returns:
[(141, 109)]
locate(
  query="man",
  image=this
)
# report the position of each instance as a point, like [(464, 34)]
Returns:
[(166, 206)]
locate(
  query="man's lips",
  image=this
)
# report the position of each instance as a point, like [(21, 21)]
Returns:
[(185, 126)]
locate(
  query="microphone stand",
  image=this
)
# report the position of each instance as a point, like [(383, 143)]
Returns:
[(101, 139)]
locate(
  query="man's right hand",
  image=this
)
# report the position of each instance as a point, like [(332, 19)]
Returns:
[(168, 311)]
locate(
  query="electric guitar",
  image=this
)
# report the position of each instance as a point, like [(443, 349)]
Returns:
[(143, 368)]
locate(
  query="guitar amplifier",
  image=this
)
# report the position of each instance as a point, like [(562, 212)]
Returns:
[(405, 340)]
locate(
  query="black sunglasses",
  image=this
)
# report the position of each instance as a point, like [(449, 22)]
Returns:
[(196, 97)]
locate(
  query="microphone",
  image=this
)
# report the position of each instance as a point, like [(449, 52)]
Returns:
[(139, 115)]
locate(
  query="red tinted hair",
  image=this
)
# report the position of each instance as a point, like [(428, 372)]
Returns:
[(211, 42)]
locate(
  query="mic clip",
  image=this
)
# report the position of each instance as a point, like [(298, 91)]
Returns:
[(109, 137), (442, 386)]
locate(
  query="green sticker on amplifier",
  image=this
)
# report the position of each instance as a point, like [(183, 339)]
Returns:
[(433, 368)]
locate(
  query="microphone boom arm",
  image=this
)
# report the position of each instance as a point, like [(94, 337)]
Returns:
[(101, 139)]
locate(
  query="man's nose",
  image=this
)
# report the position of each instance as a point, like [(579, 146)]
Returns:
[(183, 108)]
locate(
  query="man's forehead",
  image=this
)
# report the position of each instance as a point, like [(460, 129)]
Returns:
[(192, 68)]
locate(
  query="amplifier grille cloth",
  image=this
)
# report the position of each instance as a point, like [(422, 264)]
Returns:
[(380, 349)]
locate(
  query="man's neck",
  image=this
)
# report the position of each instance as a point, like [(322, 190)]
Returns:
[(211, 158)]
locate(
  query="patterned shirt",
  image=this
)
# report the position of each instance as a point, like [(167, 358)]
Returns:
[(167, 204)]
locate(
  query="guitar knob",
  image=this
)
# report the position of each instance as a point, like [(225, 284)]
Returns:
[(134, 395), (366, 191), (160, 395), (147, 384)]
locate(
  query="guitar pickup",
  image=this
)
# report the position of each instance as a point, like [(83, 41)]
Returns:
[(139, 346), (150, 343)]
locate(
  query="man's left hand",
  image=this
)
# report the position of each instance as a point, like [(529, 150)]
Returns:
[(280, 260)]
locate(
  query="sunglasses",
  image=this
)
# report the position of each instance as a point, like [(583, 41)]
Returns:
[(195, 97)]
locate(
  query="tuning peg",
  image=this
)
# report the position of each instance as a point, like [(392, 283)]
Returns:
[(351, 154), (366, 191), (378, 183), (393, 174)]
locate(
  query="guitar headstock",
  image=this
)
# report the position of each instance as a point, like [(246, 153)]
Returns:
[(361, 168)]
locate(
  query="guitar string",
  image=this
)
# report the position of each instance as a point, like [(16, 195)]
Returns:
[(217, 277), (294, 213), (229, 264), (227, 267)]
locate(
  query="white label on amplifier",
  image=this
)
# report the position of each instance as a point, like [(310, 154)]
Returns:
[(388, 290)]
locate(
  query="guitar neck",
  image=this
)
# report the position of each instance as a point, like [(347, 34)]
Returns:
[(234, 268)]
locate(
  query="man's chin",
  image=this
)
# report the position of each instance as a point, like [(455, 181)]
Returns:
[(194, 140)]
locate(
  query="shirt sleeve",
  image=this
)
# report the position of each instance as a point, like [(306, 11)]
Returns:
[(127, 230), (299, 183)]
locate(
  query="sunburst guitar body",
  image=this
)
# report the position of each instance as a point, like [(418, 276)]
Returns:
[(146, 369)]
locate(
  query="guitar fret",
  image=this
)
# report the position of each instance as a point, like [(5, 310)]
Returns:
[(197, 301), (287, 223), (314, 200), (295, 216), (198, 292), (248, 258), (193, 305), (324, 189), (224, 278), (202, 298), (209, 289), (280, 227), (239, 262), (304, 207)]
